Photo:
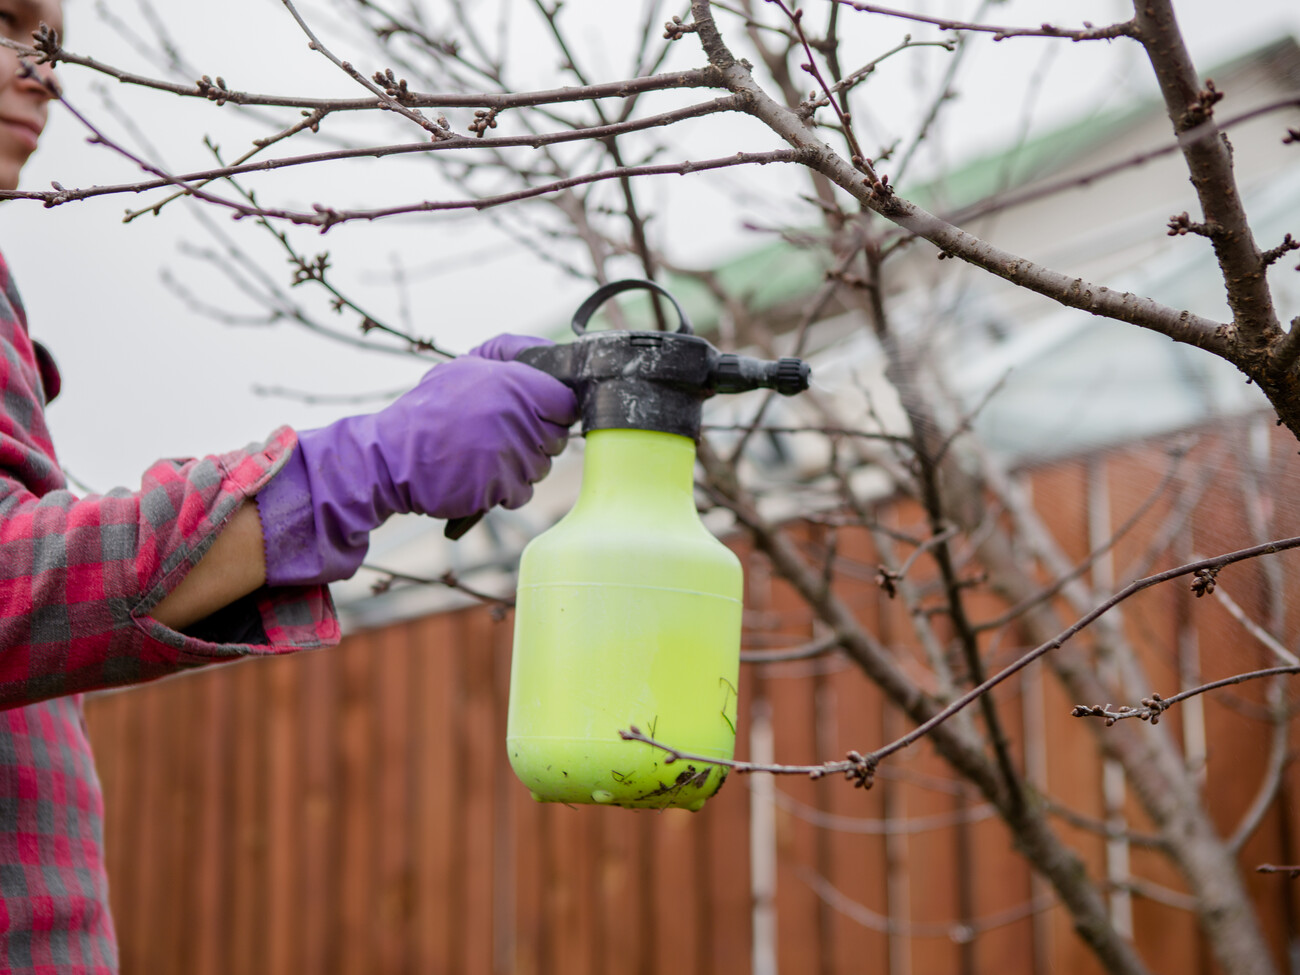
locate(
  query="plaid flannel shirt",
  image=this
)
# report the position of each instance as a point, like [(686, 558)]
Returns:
[(78, 577)]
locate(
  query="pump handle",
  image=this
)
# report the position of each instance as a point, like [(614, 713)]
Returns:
[(607, 291), (456, 527)]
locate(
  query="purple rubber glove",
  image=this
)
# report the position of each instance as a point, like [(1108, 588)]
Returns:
[(476, 432)]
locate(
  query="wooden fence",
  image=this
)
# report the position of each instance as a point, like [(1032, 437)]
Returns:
[(352, 811)]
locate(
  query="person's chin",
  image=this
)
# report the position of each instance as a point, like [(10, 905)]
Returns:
[(10, 170)]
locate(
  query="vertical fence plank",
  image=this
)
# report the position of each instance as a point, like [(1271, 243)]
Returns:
[(570, 890), (528, 822), (476, 785), (724, 827), (505, 841), (676, 896), (149, 864), (355, 757), (435, 706), (208, 931), (391, 908), (284, 811), (181, 701), (615, 884), (319, 876)]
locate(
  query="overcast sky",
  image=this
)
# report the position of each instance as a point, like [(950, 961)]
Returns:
[(146, 376)]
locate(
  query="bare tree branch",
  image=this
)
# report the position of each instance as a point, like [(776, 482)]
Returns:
[(1156, 705), (1086, 33)]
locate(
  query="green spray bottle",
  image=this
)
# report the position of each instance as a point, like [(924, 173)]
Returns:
[(628, 609)]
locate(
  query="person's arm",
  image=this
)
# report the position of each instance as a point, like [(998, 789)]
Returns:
[(340, 483), (233, 567), (222, 557), (81, 577)]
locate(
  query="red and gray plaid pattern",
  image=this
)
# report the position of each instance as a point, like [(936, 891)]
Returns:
[(78, 577)]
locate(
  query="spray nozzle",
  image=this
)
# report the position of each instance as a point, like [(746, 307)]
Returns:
[(739, 373)]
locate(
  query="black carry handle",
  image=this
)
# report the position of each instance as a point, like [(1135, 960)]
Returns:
[(607, 291)]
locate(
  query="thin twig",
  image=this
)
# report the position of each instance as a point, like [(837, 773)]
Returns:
[(854, 767), (448, 579), (437, 130), (326, 217), (1291, 872), (824, 431), (1271, 782), (628, 88), (960, 932), (60, 195), (806, 651), (1086, 33), (1254, 629), (1156, 705), (310, 121)]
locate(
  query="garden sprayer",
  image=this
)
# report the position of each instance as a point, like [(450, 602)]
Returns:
[(628, 609)]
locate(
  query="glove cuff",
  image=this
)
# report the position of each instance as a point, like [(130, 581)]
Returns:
[(308, 539)]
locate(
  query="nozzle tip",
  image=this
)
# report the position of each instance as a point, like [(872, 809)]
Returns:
[(792, 376)]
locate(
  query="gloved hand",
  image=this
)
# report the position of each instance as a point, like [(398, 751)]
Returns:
[(476, 432)]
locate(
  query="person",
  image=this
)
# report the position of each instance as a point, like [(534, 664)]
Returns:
[(213, 559)]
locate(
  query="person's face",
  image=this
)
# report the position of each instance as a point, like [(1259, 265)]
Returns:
[(24, 102)]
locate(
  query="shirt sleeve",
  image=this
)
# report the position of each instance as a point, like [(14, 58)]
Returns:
[(79, 577)]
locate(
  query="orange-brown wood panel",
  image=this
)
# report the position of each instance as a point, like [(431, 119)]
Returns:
[(1073, 781), (854, 832), (505, 795), (476, 786), (435, 706), (570, 889), (618, 885), (676, 903), (208, 732), (284, 812), (393, 828), (724, 839), (184, 841), (530, 930), (802, 917), (936, 903), (317, 931), (148, 863), (247, 822), (799, 909), (355, 756), (1004, 901), (1282, 889)]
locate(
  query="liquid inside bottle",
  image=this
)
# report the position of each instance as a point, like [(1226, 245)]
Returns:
[(628, 615)]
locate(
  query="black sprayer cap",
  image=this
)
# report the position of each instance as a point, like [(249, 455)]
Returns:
[(632, 380)]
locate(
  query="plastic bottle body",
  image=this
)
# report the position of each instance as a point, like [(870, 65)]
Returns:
[(628, 614)]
